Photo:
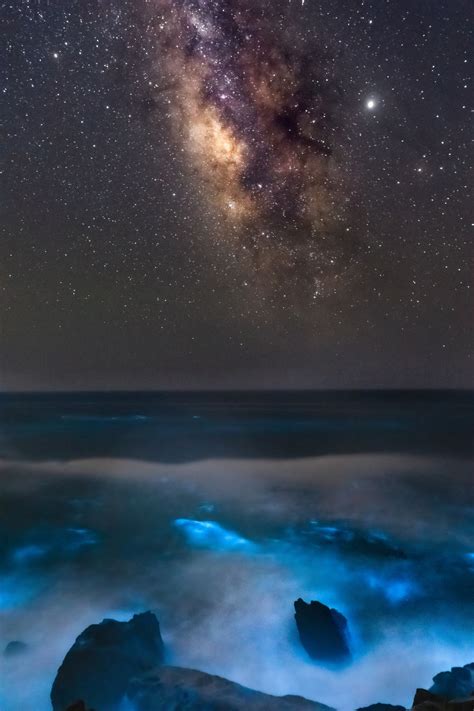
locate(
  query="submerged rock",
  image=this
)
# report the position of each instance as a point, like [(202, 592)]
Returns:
[(104, 658), (14, 648), (323, 632), (176, 689), (382, 707), (457, 683)]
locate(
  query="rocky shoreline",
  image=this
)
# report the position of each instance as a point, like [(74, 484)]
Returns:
[(121, 666)]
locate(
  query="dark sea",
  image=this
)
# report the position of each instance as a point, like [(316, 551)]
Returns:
[(218, 510)]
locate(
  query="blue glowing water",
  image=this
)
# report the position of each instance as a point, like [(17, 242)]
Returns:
[(218, 511), (211, 535)]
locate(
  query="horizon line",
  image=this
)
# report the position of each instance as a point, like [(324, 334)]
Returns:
[(233, 391)]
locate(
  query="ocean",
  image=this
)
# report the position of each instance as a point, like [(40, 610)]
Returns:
[(218, 510)]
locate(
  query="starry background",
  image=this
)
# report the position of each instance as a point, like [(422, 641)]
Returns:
[(121, 265)]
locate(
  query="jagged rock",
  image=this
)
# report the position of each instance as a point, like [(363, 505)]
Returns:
[(104, 658), (177, 689), (427, 701), (457, 683), (381, 707), (451, 691), (323, 632), (15, 647)]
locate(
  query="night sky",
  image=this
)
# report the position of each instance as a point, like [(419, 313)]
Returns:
[(236, 194)]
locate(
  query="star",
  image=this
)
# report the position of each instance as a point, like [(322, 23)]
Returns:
[(178, 149)]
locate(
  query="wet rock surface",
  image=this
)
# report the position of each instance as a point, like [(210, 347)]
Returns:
[(114, 666), (178, 689), (104, 658), (323, 632), (457, 683), (427, 701), (452, 691)]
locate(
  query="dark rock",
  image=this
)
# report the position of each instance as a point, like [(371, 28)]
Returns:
[(175, 689), (15, 647), (460, 704), (78, 706), (451, 691), (323, 632), (457, 683), (104, 658), (427, 701)]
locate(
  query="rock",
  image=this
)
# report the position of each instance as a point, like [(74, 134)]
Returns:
[(451, 691), (176, 689), (460, 704), (104, 658), (78, 706), (457, 683), (427, 701), (323, 632), (14, 648)]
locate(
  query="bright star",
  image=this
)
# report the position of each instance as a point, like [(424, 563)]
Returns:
[(371, 104)]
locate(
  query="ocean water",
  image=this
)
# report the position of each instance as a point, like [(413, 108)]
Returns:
[(217, 511)]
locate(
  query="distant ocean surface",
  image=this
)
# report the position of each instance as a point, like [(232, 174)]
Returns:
[(218, 510)]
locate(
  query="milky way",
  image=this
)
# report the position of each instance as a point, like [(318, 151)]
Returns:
[(256, 112)]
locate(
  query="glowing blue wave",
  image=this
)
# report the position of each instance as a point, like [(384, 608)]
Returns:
[(211, 535)]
